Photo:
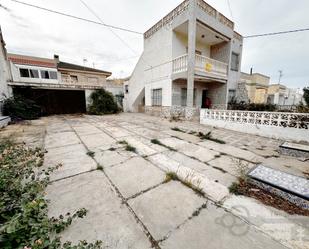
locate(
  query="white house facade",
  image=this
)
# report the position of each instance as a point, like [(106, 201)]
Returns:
[(191, 60)]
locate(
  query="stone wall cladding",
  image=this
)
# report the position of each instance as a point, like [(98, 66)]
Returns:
[(177, 112)]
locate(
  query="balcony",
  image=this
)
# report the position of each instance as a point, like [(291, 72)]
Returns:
[(204, 67)]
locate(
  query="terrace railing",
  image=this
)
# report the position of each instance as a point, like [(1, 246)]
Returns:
[(274, 119)]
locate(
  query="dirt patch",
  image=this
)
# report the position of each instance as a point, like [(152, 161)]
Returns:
[(247, 189)]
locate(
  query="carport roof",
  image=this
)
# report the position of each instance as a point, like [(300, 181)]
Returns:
[(69, 66)]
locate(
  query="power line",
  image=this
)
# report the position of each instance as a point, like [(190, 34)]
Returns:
[(277, 33), (110, 29), (123, 41), (139, 33), (77, 17)]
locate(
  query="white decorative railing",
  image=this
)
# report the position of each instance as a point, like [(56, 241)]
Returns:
[(181, 8), (168, 18), (203, 64), (210, 66), (207, 8), (275, 119), (180, 64)]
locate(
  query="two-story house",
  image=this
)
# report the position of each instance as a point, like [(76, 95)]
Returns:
[(59, 87), (191, 60)]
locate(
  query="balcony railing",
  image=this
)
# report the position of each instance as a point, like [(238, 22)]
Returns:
[(207, 66)]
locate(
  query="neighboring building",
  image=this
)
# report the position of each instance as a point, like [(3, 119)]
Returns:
[(59, 87), (115, 86), (294, 97), (191, 57), (283, 96), (276, 94), (4, 72), (257, 87)]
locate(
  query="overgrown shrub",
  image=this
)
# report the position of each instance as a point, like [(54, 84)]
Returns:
[(24, 221), (20, 108), (235, 105), (102, 102), (306, 95)]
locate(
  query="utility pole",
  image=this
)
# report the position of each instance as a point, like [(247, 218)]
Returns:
[(280, 76)]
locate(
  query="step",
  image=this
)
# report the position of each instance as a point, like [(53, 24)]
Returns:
[(4, 121), (293, 149), (290, 187)]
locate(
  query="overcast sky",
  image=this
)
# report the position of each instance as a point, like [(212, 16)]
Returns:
[(35, 32)]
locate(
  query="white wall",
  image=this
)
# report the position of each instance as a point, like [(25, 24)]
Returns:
[(166, 86), (234, 76), (5, 91), (153, 68), (87, 97), (180, 44)]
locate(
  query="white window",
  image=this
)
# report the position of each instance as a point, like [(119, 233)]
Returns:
[(45, 74), (53, 75), (28, 73), (235, 62), (157, 97)]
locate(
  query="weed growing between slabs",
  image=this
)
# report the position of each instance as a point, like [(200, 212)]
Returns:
[(24, 221)]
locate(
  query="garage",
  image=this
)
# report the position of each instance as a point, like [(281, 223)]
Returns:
[(55, 101)]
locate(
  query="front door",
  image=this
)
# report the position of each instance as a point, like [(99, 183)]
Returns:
[(204, 96)]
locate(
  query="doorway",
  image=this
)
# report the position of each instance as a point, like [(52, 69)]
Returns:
[(204, 96)]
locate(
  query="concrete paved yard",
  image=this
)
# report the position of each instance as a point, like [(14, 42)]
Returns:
[(132, 206)]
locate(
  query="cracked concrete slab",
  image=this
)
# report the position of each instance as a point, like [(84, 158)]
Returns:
[(186, 161), (142, 149), (166, 207), (117, 132), (73, 159), (216, 229), (97, 140), (230, 164), (86, 129), (107, 219), (61, 139), (184, 136), (293, 234), (109, 158), (134, 176), (233, 151), (198, 152), (173, 142), (214, 190)]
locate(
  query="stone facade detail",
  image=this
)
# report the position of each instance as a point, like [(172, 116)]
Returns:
[(242, 93), (176, 112)]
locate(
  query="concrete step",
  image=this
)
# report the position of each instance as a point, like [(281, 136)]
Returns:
[(293, 149), (4, 121), (293, 188)]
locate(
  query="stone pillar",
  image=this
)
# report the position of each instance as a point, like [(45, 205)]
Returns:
[(191, 52)]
